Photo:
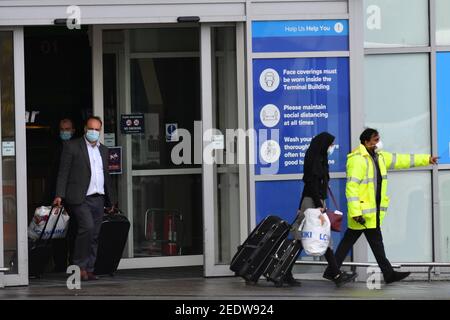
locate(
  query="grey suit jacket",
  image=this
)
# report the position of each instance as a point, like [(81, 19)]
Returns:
[(74, 174)]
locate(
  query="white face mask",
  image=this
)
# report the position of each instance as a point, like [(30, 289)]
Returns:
[(331, 149), (379, 146)]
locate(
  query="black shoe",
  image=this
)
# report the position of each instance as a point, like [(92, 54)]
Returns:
[(344, 277), (328, 276), (396, 276)]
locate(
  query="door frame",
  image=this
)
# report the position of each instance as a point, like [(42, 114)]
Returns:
[(210, 198), (21, 278), (208, 172), (123, 57)]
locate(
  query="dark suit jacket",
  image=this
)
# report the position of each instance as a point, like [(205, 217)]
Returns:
[(74, 174)]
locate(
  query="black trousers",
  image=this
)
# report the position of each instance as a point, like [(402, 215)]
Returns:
[(89, 217), (375, 239)]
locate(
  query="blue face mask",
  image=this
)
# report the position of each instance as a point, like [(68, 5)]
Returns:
[(65, 135), (92, 135)]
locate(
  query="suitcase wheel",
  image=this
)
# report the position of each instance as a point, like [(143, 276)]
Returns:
[(250, 282), (278, 284)]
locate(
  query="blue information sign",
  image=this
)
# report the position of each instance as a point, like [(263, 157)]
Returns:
[(301, 35), (443, 105), (294, 100)]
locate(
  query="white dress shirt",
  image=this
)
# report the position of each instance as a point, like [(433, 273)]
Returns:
[(97, 184)]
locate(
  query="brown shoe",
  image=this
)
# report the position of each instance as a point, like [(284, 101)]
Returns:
[(84, 275), (92, 276)]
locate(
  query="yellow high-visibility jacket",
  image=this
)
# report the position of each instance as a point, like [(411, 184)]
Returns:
[(361, 183)]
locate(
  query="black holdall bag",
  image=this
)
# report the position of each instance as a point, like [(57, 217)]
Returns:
[(40, 251), (111, 242)]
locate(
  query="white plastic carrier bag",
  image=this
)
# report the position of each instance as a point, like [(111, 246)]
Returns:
[(315, 236), (41, 214)]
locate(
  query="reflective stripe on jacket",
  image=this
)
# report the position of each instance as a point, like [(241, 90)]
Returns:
[(362, 185)]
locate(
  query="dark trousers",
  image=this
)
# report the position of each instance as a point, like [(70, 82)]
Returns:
[(88, 216), (375, 239)]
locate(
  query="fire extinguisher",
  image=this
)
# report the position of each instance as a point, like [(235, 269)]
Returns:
[(170, 234)]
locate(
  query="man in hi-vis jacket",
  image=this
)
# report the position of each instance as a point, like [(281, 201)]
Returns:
[(367, 201)]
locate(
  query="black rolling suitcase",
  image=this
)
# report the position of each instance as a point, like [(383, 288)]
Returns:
[(251, 259), (282, 260), (40, 251), (111, 242)]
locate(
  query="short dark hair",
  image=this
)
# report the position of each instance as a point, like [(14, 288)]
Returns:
[(94, 118), (367, 134)]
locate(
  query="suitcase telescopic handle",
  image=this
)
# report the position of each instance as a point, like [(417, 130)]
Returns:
[(56, 224), (45, 226), (113, 212)]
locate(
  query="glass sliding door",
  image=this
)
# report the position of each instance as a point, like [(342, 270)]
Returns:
[(165, 88), (181, 81), (13, 213), (158, 79), (223, 110)]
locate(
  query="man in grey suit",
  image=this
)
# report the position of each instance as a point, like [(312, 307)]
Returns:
[(84, 184)]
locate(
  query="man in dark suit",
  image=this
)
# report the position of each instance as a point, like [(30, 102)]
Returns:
[(85, 186)]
